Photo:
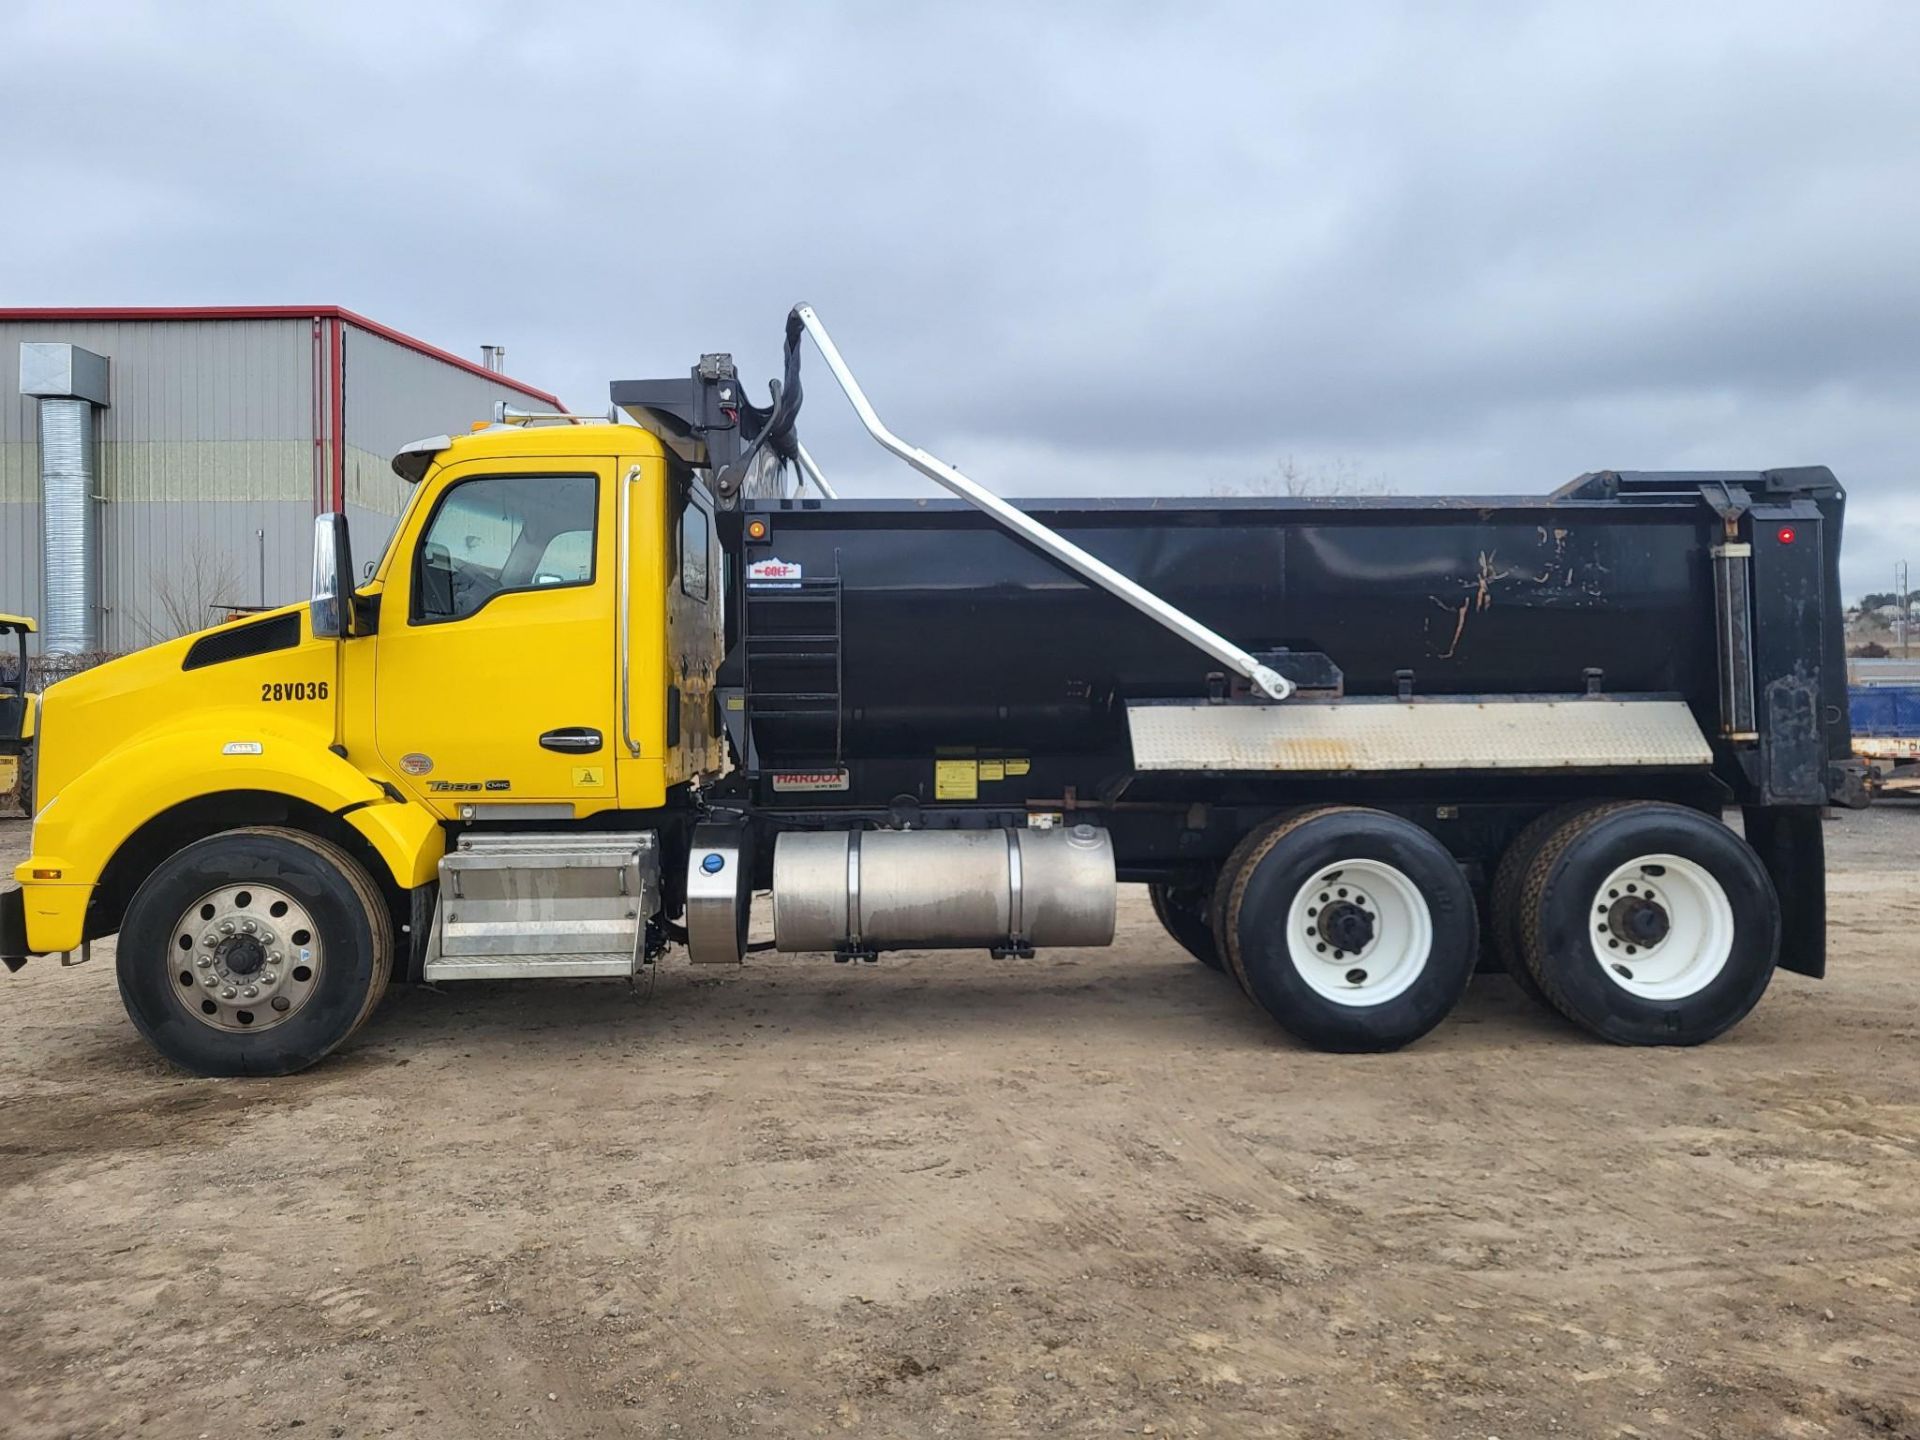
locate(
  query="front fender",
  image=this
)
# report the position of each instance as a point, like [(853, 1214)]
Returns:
[(80, 830)]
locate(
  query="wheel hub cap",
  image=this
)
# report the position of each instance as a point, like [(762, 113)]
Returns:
[(1639, 920), (1345, 926), (241, 955)]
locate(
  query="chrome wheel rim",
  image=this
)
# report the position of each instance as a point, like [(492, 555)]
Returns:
[(1662, 927), (243, 958), (1359, 932)]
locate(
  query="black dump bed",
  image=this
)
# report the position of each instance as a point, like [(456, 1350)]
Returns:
[(893, 630)]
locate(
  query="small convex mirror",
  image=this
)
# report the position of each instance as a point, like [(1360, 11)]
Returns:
[(332, 607)]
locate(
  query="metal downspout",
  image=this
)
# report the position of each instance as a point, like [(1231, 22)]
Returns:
[(71, 384)]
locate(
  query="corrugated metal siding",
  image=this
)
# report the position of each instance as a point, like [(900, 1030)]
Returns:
[(209, 439), (395, 395)]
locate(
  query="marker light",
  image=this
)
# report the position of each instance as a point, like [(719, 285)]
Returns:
[(1785, 537), (756, 529)]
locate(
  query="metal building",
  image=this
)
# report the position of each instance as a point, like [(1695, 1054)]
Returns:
[(160, 464)]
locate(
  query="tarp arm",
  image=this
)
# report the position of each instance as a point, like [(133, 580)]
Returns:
[(1265, 680)]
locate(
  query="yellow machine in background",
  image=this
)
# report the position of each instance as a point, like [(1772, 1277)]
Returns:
[(19, 711)]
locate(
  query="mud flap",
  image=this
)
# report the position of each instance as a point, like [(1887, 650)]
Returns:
[(13, 929), (1792, 846)]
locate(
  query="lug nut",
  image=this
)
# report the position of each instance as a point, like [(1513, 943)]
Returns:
[(209, 980), (226, 927), (204, 961), (251, 991), (269, 978), (228, 993), (248, 926)]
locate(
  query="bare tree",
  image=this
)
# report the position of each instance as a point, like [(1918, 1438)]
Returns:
[(1289, 477), (186, 594)]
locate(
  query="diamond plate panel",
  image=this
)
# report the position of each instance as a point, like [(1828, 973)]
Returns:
[(1347, 735)]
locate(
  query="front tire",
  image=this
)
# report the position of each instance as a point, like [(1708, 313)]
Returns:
[(1649, 924), (1353, 928), (254, 952)]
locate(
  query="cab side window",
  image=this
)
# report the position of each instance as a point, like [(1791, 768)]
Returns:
[(693, 552), (503, 533)]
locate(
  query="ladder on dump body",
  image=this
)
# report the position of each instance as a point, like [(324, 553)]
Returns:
[(794, 670)]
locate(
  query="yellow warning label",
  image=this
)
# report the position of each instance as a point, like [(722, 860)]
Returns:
[(956, 780), (1018, 767), (587, 777), (993, 769)]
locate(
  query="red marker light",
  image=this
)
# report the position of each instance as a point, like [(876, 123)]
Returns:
[(1785, 537)]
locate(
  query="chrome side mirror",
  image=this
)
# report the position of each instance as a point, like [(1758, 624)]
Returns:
[(332, 604)]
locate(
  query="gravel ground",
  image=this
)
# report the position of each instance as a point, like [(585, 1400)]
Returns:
[(1093, 1194)]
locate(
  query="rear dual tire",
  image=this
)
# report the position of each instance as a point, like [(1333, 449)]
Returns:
[(1182, 911), (1645, 923), (1353, 928)]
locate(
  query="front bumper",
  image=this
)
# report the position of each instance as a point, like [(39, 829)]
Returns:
[(13, 928), (55, 913)]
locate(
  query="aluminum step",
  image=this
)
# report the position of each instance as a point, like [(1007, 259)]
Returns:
[(514, 906)]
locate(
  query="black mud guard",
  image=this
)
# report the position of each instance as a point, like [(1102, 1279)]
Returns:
[(13, 929), (1793, 847)]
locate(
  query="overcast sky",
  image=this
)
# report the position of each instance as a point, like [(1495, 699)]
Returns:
[(1075, 248)]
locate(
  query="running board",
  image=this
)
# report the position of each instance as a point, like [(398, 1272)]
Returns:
[(1442, 733), (519, 906)]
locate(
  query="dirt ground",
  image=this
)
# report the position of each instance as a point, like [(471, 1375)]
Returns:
[(1093, 1194)]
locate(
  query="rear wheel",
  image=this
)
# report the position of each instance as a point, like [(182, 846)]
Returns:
[(254, 952), (1503, 899), (1182, 910), (1649, 924), (1353, 928)]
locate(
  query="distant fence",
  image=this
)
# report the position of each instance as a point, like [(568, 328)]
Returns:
[(45, 670)]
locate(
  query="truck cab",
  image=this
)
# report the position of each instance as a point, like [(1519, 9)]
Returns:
[(535, 648)]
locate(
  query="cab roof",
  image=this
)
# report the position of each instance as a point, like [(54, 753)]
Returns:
[(584, 437)]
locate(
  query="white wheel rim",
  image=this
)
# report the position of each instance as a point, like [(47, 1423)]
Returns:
[(1661, 927), (1365, 900)]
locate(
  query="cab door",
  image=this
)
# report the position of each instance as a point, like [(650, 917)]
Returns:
[(495, 676)]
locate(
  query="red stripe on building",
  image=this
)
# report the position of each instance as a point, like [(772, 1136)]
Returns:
[(335, 313)]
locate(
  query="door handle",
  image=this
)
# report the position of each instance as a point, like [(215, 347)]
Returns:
[(572, 740)]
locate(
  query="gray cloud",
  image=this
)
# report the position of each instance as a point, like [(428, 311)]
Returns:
[(1083, 247)]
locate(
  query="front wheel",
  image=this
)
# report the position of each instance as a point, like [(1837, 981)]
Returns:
[(254, 952), (1353, 928)]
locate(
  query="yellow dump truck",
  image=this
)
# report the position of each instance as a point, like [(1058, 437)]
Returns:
[(611, 680)]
